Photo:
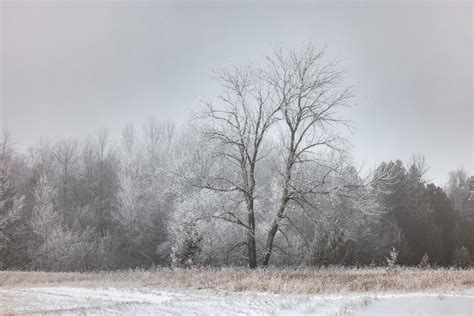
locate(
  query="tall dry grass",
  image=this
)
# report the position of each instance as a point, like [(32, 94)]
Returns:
[(276, 280)]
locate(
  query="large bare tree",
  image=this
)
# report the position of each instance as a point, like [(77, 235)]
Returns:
[(238, 122), (300, 95), (309, 93)]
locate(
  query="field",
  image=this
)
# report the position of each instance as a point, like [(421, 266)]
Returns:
[(241, 291)]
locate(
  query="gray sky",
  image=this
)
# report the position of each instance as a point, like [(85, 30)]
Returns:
[(71, 68)]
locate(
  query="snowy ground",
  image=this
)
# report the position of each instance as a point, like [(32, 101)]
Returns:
[(143, 301)]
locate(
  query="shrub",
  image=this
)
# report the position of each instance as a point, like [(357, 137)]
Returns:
[(392, 259), (187, 248), (425, 261)]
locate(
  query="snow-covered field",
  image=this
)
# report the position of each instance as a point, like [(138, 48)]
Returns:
[(142, 301)]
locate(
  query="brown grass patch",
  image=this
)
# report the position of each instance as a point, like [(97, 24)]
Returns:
[(276, 280)]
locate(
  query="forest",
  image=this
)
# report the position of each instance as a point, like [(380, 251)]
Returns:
[(261, 175)]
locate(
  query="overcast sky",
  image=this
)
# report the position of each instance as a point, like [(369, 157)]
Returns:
[(70, 68)]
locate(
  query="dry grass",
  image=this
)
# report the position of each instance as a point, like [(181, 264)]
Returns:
[(303, 281)]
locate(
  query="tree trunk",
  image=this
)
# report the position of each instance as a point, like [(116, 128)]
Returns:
[(272, 232), (251, 244), (279, 215), (252, 251)]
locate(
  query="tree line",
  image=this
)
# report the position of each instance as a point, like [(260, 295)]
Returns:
[(261, 176)]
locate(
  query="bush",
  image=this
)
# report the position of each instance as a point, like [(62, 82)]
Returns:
[(187, 248), (392, 259), (425, 262)]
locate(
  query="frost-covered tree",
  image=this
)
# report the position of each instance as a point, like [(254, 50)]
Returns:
[(286, 110), (136, 232), (238, 123), (45, 222), (147, 190), (65, 153), (200, 236), (58, 247), (457, 188), (11, 205), (309, 93), (106, 184)]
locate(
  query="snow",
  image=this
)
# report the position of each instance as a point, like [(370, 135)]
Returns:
[(143, 301), (421, 304)]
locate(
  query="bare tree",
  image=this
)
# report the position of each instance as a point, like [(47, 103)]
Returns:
[(66, 154), (42, 158), (107, 181), (457, 188), (238, 123), (45, 220), (309, 94), (158, 137)]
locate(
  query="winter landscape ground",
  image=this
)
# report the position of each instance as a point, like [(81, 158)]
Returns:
[(239, 291)]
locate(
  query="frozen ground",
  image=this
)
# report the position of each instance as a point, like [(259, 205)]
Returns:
[(143, 301)]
